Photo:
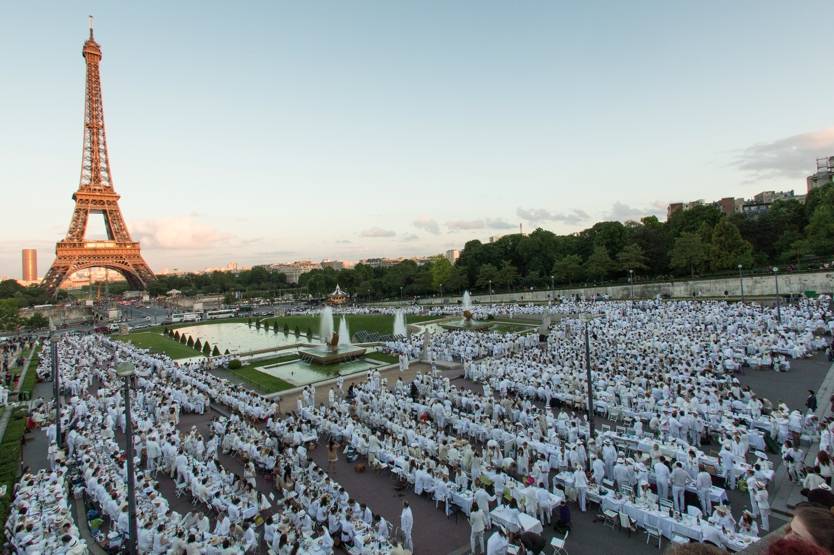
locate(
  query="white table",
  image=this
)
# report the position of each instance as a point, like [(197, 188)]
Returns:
[(525, 523)]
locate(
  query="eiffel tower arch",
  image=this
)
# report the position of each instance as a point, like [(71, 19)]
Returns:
[(96, 196)]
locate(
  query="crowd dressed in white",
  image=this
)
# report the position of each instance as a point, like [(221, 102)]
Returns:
[(508, 446)]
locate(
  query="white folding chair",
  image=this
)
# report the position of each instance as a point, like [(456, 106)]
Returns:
[(558, 544), (652, 532)]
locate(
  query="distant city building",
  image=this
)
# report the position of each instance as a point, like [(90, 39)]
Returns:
[(294, 270), (452, 255), (824, 175), (381, 262), (335, 264), (759, 204), (30, 265)]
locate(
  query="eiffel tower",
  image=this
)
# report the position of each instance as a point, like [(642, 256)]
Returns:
[(95, 195)]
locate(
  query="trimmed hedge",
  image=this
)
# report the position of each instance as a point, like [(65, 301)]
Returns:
[(10, 455)]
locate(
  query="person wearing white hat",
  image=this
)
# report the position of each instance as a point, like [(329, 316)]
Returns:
[(727, 465), (580, 482), (763, 502)]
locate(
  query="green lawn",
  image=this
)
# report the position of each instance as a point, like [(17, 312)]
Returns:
[(379, 323), (262, 382), (10, 453), (158, 343), (505, 327), (382, 357)]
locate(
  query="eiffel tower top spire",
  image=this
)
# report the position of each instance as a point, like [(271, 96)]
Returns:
[(95, 163)]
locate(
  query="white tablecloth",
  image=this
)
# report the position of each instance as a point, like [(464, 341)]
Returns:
[(503, 516)]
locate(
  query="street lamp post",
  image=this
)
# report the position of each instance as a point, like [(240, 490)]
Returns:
[(441, 292), (552, 285), (631, 282), (56, 388), (590, 385), (741, 282), (490, 291), (126, 370), (401, 294), (778, 300)]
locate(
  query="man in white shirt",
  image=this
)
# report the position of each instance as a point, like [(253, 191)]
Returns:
[(477, 522), (679, 479), (406, 525), (703, 483), (661, 474)]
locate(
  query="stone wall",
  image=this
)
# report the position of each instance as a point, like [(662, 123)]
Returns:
[(759, 286)]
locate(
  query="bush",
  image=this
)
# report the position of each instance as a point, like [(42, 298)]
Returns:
[(190, 341), (176, 335), (198, 345), (206, 348), (216, 352), (297, 331), (309, 334), (286, 329), (227, 352), (234, 364)]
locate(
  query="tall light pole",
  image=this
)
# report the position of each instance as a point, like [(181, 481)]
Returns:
[(56, 388), (741, 282), (490, 291), (552, 284), (441, 292), (631, 282), (587, 319), (126, 370), (401, 294), (778, 300)]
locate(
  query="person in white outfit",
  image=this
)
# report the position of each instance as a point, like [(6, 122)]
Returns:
[(580, 482), (478, 524), (763, 502), (406, 525), (703, 483)]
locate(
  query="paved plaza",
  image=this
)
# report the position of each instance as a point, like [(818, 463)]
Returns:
[(434, 531)]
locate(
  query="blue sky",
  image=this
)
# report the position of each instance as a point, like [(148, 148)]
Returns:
[(269, 131)]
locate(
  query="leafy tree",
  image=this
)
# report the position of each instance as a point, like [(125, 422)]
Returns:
[(820, 230), (728, 249), (456, 281), (190, 342), (488, 273), (176, 335), (37, 321), (286, 329), (309, 334), (296, 331), (184, 339), (632, 258), (257, 324), (689, 252), (441, 270), (568, 268), (507, 275), (599, 264), (215, 352), (207, 348), (197, 345)]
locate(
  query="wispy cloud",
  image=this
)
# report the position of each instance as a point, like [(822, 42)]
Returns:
[(464, 225), (376, 232), (427, 224), (535, 215), (498, 223), (183, 233), (408, 237), (790, 157), (621, 212)]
